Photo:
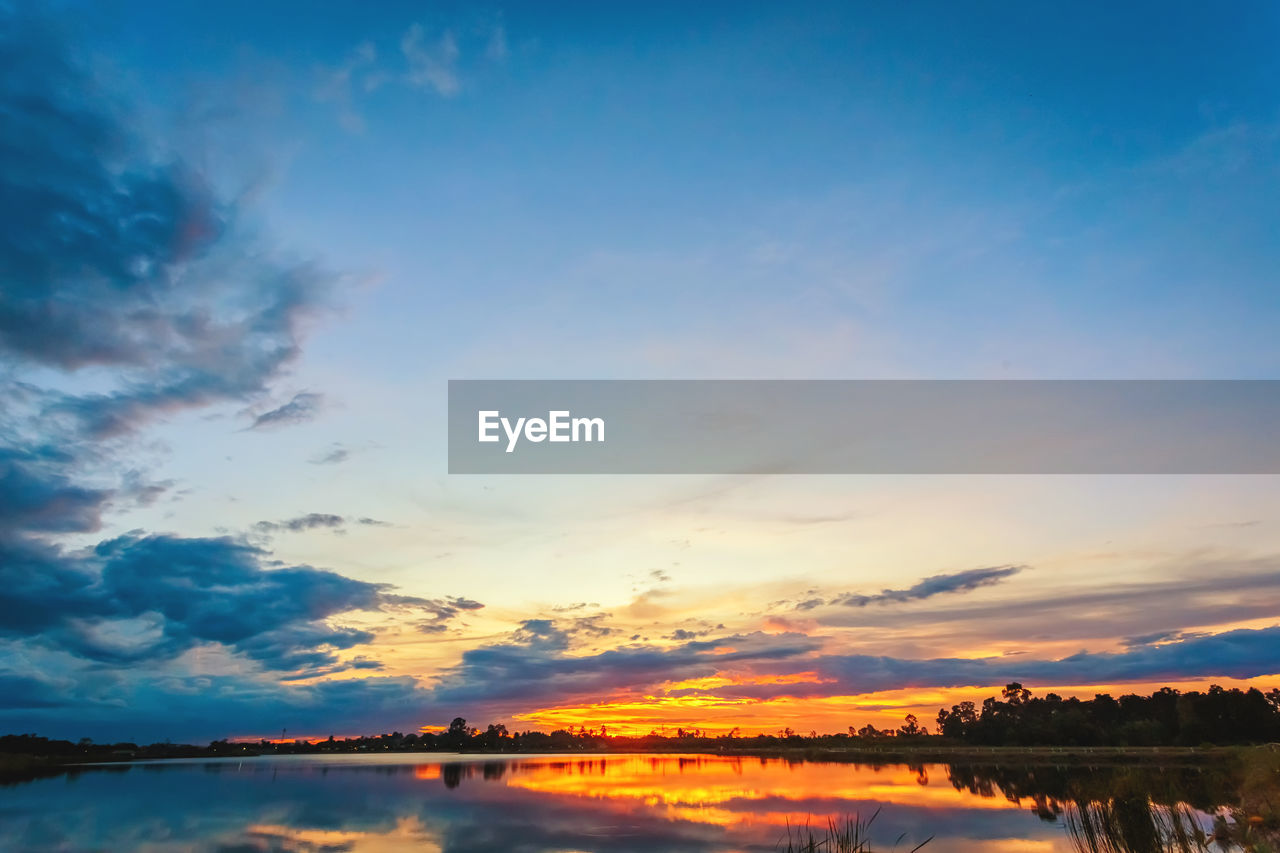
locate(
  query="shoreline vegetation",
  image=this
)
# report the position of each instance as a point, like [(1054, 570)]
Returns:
[(1166, 727), (1128, 775)]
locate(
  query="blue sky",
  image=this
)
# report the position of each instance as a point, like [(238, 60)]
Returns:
[(1073, 194), (326, 214)]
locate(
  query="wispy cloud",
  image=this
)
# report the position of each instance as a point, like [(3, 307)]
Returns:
[(315, 521), (423, 59), (929, 587), (1194, 590), (338, 85), (310, 521), (433, 63), (304, 407), (333, 456), (443, 611)]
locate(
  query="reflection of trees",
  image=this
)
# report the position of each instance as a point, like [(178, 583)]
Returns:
[(1125, 809), (453, 773), (1137, 826)]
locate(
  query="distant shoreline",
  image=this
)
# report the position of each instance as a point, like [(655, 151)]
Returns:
[(20, 767)]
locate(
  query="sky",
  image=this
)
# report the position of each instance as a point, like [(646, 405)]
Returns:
[(246, 246)]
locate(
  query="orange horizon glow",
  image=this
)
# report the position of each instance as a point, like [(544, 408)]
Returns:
[(714, 716), (885, 709), (291, 738)]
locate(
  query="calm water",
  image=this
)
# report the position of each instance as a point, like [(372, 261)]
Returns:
[(615, 803)]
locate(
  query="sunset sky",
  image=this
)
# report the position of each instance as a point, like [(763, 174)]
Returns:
[(245, 246)]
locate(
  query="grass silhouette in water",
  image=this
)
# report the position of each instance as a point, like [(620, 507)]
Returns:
[(850, 835)]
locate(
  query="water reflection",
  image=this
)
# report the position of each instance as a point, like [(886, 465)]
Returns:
[(623, 803)]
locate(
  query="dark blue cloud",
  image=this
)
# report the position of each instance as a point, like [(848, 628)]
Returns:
[(1243, 653), (27, 692), (927, 588), (40, 588), (93, 231), (113, 258), (191, 592), (536, 669), (195, 708), (38, 495)]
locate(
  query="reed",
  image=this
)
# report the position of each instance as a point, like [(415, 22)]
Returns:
[(851, 834)]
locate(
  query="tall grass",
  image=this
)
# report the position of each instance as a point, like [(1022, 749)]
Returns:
[(846, 835)]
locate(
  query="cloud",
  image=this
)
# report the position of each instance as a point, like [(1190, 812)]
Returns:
[(1159, 637), (927, 588), (314, 521), (442, 611), (187, 592), (536, 669), (126, 274), (336, 84), (1195, 590), (1241, 653), (310, 521), (302, 408), (138, 489), (115, 259), (333, 456), (433, 64), (682, 634), (193, 708), (37, 495), (422, 61), (496, 49)]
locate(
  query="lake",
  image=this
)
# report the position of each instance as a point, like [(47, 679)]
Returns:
[(455, 803)]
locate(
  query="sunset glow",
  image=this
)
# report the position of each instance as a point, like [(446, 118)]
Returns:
[(231, 314), (885, 710)]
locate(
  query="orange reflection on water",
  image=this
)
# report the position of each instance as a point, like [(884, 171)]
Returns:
[(409, 834), (730, 791)]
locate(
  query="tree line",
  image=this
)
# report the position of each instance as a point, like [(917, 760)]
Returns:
[(1167, 717)]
